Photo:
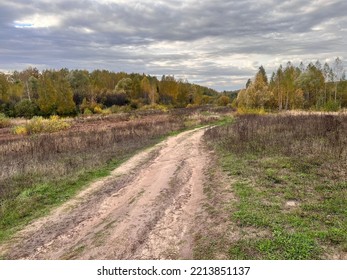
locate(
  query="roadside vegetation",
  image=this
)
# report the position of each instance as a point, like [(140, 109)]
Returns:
[(55, 158), (284, 190)]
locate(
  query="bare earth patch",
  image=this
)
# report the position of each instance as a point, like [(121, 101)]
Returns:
[(144, 210)]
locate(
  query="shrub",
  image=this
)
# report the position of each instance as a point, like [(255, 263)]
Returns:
[(223, 100), (155, 107), (4, 121), (36, 125), (26, 108), (332, 106), (120, 109), (192, 106), (41, 125), (87, 112), (135, 104), (20, 130), (106, 111), (119, 99), (97, 109), (55, 124)]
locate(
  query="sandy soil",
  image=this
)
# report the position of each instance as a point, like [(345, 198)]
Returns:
[(146, 209)]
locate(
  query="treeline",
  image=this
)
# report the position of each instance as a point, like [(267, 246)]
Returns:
[(311, 87), (70, 92)]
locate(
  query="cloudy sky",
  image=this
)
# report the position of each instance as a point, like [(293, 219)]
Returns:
[(216, 43)]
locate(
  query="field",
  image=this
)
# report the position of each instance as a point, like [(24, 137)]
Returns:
[(281, 192), (245, 186), (39, 171)]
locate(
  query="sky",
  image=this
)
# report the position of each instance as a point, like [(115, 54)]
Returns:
[(219, 44)]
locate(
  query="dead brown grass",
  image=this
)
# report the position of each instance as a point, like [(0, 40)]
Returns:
[(89, 142)]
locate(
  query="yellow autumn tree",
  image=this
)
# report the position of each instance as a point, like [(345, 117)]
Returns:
[(257, 94)]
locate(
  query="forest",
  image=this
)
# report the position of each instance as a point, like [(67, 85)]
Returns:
[(312, 87), (66, 92)]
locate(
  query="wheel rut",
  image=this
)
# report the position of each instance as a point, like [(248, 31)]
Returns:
[(145, 209)]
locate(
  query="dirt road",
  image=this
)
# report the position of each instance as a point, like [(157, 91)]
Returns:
[(146, 209)]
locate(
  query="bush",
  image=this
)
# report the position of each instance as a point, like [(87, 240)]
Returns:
[(87, 112), (4, 121), (120, 109), (332, 106), (26, 108), (119, 99), (41, 125), (20, 130), (223, 100), (36, 125), (135, 104), (155, 107), (189, 106), (97, 110), (106, 111), (55, 124)]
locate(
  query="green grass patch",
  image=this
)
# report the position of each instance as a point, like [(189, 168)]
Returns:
[(38, 199), (290, 204), (281, 246), (318, 219)]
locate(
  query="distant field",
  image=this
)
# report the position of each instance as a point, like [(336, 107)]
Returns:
[(284, 190)]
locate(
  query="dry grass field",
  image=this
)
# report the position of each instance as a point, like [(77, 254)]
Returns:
[(44, 169), (284, 193)]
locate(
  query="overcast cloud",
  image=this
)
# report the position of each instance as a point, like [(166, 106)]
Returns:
[(214, 43)]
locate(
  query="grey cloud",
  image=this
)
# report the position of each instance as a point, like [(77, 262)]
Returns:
[(125, 35)]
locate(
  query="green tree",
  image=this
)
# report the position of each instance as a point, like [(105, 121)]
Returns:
[(4, 87), (290, 74), (33, 87), (168, 90), (263, 75), (184, 92), (311, 81), (198, 95), (80, 84), (249, 82), (124, 86), (242, 99), (47, 100), (277, 87), (257, 94), (146, 90), (65, 103)]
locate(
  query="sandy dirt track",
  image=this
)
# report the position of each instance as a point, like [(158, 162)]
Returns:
[(146, 209)]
